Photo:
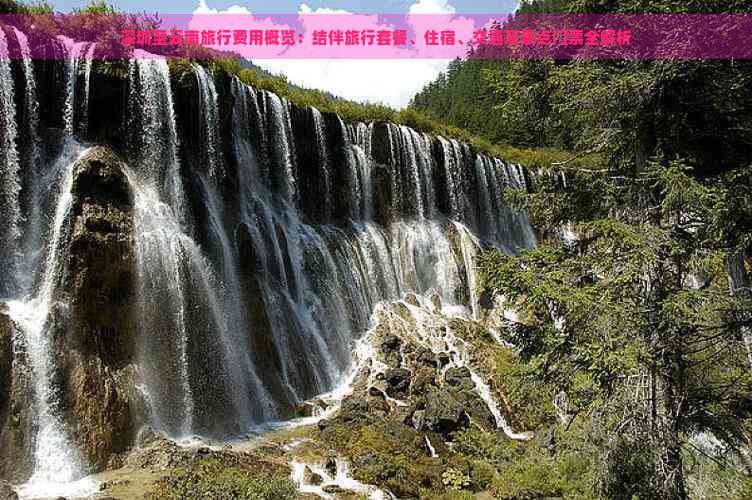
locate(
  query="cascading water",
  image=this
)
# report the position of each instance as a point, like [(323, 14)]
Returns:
[(32, 166), (324, 164), (246, 301), (504, 226), (58, 467), (33, 263), (155, 151), (319, 284), (88, 61), (451, 168), (10, 183), (283, 175), (182, 304), (245, 384), (208, 111), (76, 50)]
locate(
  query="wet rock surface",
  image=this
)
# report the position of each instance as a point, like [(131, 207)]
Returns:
[(417, 374), (104, 406), (418, 384), (15, 404), (101, 260), (6, 492)]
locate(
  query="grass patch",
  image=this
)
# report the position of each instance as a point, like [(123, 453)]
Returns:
[(211, 478)]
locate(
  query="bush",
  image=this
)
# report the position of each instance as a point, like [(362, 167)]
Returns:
[(515, 469)]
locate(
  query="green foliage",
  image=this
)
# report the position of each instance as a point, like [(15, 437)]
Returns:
[(626, 111), (100, 7), (212, 479), (455, 495), (529, 398), (640, 299), (14, 7), (532, 469), (40, 8), (455, 479)]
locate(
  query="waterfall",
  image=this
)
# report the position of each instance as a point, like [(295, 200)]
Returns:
[(245, 384), (363, 137), (249, 126), (208, 111), (257, 273), (30, 98), (415, 174), (33, 158), (193, 361), (75, 51), (411, 150), (450, 169), (178, 295), (89, 60), (468, 247), (58, 467), (516, 224), (10, 183), (283, 172), (484, 191), (324, 166), (155, 147)]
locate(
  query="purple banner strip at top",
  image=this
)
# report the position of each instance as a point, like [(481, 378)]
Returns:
[(391, 36)]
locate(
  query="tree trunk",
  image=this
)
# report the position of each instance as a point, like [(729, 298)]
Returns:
[(739, 286), (669, 467)]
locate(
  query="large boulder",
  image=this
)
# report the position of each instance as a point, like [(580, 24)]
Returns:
[(444, 414), (398, 381), (96, 348), (101, 258), (459, 376)]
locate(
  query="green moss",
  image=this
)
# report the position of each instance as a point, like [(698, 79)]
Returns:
[(389, 455), (527, 401), (544, 157), (455, 495), (113, 68), (212, 479)]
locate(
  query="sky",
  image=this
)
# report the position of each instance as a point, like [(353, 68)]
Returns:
[(390, 81)]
